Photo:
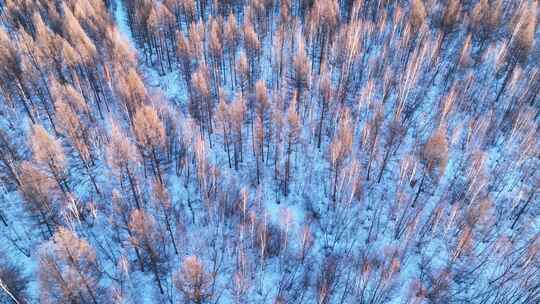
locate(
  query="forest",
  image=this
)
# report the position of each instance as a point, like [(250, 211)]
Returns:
[(270, 151)]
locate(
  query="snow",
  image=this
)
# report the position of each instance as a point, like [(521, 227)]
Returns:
[(368, 224), (310, 188)]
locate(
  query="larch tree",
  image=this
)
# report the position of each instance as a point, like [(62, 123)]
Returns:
[(216, 50), (230, 43), (299, 77), (10, 159), (13, 282), (36, 75), (258, 144), (253, 49), (38, 190), (393, 139), (131, 91), (185, 56), (449, 20), (86, 49), (201, 105), (13, 82), (348, 47), (485, 19), (418, 14), (197, 40), (74, 122), (521, 42), (48, 155), (124, 161), (119, 219), (150, 240), (69, 270), (323, 19), (189, 10), (435, 157), (325, 96), (371, 136), (292, 139), (238, 117), (356, 106), (261, 109), (163, 203), (340, 149), (242, 69), (150, 135), (193, 281), (278, 58), (224, 125), (161, 23)]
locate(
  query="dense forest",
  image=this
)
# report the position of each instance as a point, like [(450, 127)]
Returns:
[(270, 151)]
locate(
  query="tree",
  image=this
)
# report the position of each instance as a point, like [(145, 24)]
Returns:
[(69, 271), (418, 14), (260, 128), (521, 42), (253, 49), (186, 55), (38, 192), (347, 49), (485, 19), (278, 59), (323, 20), (224, 125), (238, 114), (123, 159), (193, 281), (523, 33), (163, 203), (77, 36), (340, 149), (394, 138), (10, 158), (48, 156), (216, 51), (150, 134), (196, 40), (14, 67), (243, 71), (325, 93), (13, 283), (435, 157), (149, 239), (201, 105), (292, 138), (230, 43), (74, 122), (300, 73), (131, 91), (371, 137), (258, 144), (449, 18), (119, 218), (35, 75), (161, 24)]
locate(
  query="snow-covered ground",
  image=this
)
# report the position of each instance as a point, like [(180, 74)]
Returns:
[(388, 239)]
